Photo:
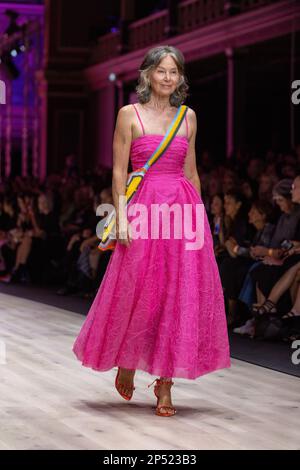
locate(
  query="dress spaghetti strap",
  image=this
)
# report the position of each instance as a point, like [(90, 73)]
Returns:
[(138, 115)]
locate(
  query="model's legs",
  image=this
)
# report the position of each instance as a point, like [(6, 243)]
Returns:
[(294, 312), (296, 306), (125, 380), (164, 393), (294, 288), (284, 283), (23, 251), (260, 296)]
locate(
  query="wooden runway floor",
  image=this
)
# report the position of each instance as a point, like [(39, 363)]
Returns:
[(48, 400)]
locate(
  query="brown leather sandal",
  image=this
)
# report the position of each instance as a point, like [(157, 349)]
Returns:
[(268, 307)]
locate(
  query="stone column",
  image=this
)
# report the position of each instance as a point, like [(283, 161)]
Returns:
[(235, 101)]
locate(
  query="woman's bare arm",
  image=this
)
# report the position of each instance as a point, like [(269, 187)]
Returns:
[(190, 165), (121, 150)]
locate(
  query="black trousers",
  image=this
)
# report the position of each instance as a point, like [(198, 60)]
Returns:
[(232, 273)]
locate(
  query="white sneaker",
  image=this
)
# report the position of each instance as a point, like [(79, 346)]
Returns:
[(247, 329)]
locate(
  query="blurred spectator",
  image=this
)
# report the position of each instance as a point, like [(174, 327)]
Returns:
[(84, 265), (48, 228), (71, 168), (287, 228), (266, 184)]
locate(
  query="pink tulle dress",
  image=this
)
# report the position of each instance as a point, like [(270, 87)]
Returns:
[(159, 307)]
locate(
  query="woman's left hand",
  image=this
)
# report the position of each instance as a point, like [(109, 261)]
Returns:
[(230, 244)]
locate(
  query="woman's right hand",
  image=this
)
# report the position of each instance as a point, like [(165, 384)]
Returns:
[(123, 235)]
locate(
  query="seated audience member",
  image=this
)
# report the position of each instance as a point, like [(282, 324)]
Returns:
[(82, 213), (8, 217), (266, 184), (22, 234), (8, 222), (229, 181), (255, 168), (40, 241), (236, 226), (249, 190), (277, 258), (84, 263), (237, 232), (216, 217), (47, 243), (234, 269)]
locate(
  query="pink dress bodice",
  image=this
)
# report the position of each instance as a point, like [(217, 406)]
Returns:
[(170, 164)]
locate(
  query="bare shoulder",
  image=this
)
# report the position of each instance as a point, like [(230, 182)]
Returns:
[(126, 111), (191, 114), (125, 117), (123, 132), (192, 120)]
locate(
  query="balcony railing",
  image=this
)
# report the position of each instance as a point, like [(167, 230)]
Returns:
[(148, 30), (192, 14), (248, 4), (108, 46)]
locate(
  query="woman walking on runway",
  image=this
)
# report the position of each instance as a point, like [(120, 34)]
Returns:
[(160, 305)]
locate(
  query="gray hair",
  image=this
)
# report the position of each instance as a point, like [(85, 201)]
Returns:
[(283, 188), (150, 62)]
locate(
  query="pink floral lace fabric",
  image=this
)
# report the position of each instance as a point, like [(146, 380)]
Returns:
[(159, 307)]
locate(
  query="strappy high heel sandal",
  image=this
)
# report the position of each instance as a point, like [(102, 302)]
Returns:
[(117, 385), (290, 314), (158, 409), (268, 307)]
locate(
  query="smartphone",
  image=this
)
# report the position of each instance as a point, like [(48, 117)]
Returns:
[(286, 245), (243, 251)]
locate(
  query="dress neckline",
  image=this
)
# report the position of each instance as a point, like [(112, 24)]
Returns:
[(158, 135)]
